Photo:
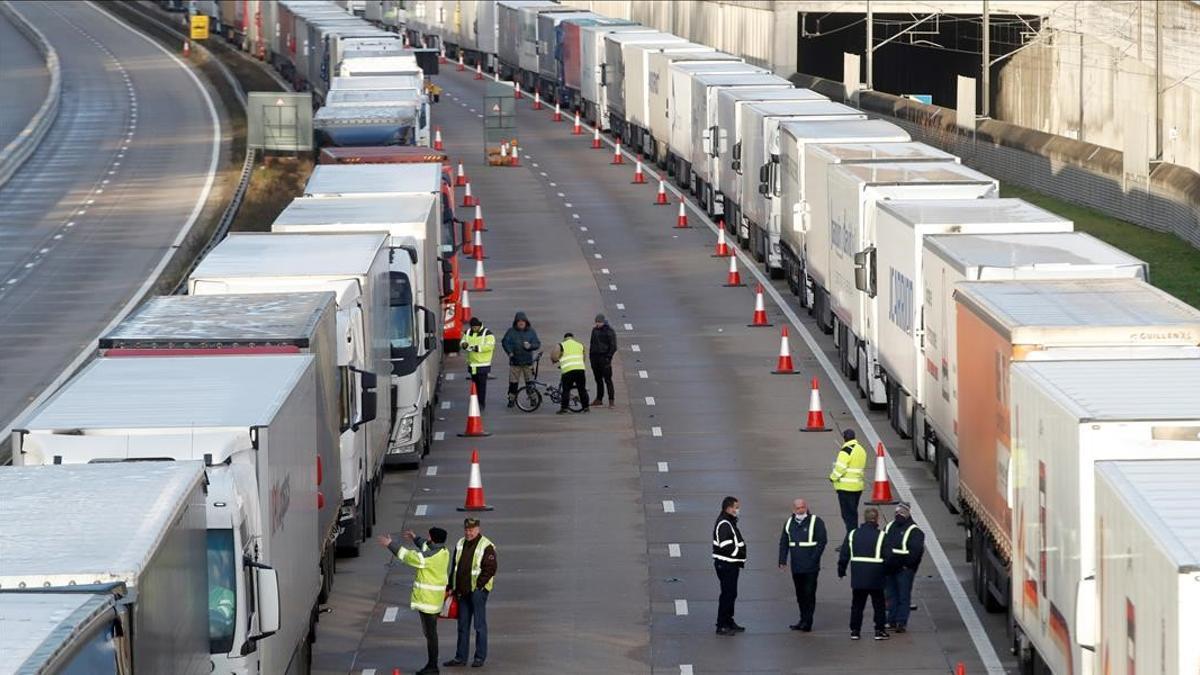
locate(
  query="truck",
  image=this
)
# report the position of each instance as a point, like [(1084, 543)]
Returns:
[(1147, 569), (252, 421), (367, 125), (657, 142), (616, 79), (104, 569), (1067, 415), (682, 99), (389, 98), (570, 54), (517, 24), (950, 259), (634, 123), (412, 80), (591, 67), (412, 224), (1001, 323), (549, 49), (757, 224), (355, 267)]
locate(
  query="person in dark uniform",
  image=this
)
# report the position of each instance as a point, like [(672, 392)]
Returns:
[(601, 351), (804, 539), (729, 557), (906, 542), (866, 557)]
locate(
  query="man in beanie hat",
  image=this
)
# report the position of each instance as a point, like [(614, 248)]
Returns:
[(432, 562), (603, 347), (906, 542), (849, 470)]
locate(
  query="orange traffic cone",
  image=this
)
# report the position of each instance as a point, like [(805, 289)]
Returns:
[(517, 90), (479, 284), (960, 669), (881, 493), (464, 307), (578, 128), (515, 158), (437, 138), (503, 154), (474, 485), (639, 177), (557, 112), (681, 219), (187, 48), (760, 311), (734, 278), (537, 99), (474, 418), (460, 178), (496, 75), (661, 198), (618, 158), (442, 57), (477, 246), (722, 250), (478, 72), (596, 138), (461, 67), (468, 198), (477, 224), (816, 416), (784, 365)]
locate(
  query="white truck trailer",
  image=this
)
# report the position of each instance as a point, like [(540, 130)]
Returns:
[(1066, 417), (639, 87), (1147, 584), (252, 421), (355, 268), (591, 66), (412, 223), (658, 86), (402, 99), (617, 83), (681, 99), (103, 569)]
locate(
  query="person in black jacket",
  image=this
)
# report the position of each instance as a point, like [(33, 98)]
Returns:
[(729, 557), (804, 537), (520, 342), (601, 351), (865, 555), (906, 542)]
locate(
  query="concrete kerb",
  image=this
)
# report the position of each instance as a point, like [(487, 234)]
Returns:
[(26, 143)]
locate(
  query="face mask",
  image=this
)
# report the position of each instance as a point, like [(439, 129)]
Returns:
[(736, 512)]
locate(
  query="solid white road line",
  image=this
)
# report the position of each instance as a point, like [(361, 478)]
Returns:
[(681, 608), (668, 506), (673, 550), (389, 614)]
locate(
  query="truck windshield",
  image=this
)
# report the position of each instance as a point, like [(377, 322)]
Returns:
[(222, 591), (97, 656), (401, 329)]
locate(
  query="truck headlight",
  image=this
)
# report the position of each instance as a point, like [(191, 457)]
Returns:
[(406, 428)]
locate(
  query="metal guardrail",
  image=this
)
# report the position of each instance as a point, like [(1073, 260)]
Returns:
[(227, 217), (21, 148)]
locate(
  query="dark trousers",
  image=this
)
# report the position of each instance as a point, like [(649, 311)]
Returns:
[(577, 380), (472, 608), (602, 373), (480, 378), (848, 502), (858, 603), (429, 629), (806, 595), (727, 575), (897, 588)]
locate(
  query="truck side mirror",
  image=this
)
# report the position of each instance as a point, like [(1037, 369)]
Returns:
[(266, 585), (714, 141), (430, 338), (369, 399), (764, 174), (603, 74), (864, 271), (1085, 613)]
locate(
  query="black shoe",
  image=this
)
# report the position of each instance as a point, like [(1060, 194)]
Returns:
[(912, 607), (428, 670), (901, 629), (806, 628), (797, 626), (477, 663), (854, 635), (455, 663), (512, 404), (726, 631), (882, 635), (586, 410), (737, 628)]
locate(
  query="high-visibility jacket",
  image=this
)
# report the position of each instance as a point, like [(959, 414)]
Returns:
[(572, 355), (728, 544), (906, 542), (476, 560), (432, 563), (805, 542), (865, 556), (479, 346), (849, 467)]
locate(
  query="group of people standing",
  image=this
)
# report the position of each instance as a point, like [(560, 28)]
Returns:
[(882, 561), (522, 345)]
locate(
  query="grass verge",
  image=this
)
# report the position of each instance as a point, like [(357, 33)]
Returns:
[(276, 181)]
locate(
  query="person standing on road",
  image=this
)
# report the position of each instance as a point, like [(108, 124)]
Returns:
[(729, 557), (601, 351), (568, 354), (479, 343), (865, 555), (847, 476), (804, 537), (472, 572), (432, 562), (906, 542), (520, 342)]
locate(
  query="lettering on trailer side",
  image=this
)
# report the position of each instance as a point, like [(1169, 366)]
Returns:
[(843, 239), (281, 500), (900, 309)]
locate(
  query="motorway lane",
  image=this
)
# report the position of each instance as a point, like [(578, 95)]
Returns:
[(24, 80), (123, 172), (704, 419)]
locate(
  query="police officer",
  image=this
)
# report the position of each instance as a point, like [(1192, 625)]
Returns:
[(847, 477), (478, 343), (568, 354), (804, 538), (432, 562), (729, 557), (867, 557), (906, 542)]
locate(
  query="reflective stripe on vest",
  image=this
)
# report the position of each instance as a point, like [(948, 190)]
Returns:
[(737, 545), (476, 560), (848, 473), (480, 347), (812, 521), (903, 550), (433, 575), (572, 356), (878, 550)]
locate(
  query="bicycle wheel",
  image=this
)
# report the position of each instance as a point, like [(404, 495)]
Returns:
[(573, 403), (529, 398)]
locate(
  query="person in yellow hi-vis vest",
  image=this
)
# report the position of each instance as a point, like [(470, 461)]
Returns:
[(472, 575), (432, 562), (569, 355), (849, 471), (478, 343)]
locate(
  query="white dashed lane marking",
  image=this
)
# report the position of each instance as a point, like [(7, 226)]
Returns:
[(656, 432), (620, 305), (439, 435), (635, 348), (650, 400), (431, 470), (421, 510), (668, 506), (643, 374), (389, 614), (673, 550), (681, 608), (663, 468)]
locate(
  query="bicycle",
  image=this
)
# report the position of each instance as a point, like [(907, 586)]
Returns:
[(529, 397)]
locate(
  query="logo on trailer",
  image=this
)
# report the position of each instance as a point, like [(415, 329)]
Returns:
[(281, 501), (900, 310)]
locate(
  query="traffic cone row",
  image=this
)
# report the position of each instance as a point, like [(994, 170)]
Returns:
[(881, 492), (503, 154), (557, 112), (784, 365), (596, 138), (464, 306), (639, 178), (479, 283), (733, 278), (514, 158), (517, 90), (442, 57), (681, 221), (816, 416), (460, 178), (661, 198), (474, 424), (722, 250), (475, 500), (760, 310), (478, 72), (537, 99), (187, 48), (618, 158), (461, 66), (468, 198), (437, 139), (577, 129), (477, 224), (477, 246)]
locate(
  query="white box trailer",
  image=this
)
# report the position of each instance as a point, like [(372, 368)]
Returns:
[(378, 64), (950, 259), (253, 421), (658, 88), (355, 267), (1066, 417), (641, 84), (615, 78), (104, 566), (757, 225), (549, 46), (517, 21), (377, 180), (854, 279), (401, 101), (412, 223), (591, 65), (351, 126), (530, 44), (1147, 583), (706, 134), (680, 102), (413, 80), (487, 31)]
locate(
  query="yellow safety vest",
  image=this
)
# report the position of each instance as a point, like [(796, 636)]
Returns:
[(433, 575), (572, 356), (850, 467), (903, 550), (479, 347), (878, 549), (812, 522), (476, 561)]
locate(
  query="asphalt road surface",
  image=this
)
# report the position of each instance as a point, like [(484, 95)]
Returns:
[(603, 521), (23, 79)]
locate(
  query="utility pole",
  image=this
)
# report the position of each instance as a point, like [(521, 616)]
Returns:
[(870, 47), (1158, 89), (986, 75)]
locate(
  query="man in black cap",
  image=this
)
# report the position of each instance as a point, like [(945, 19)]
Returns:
[(603, 347), (906, 542)]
